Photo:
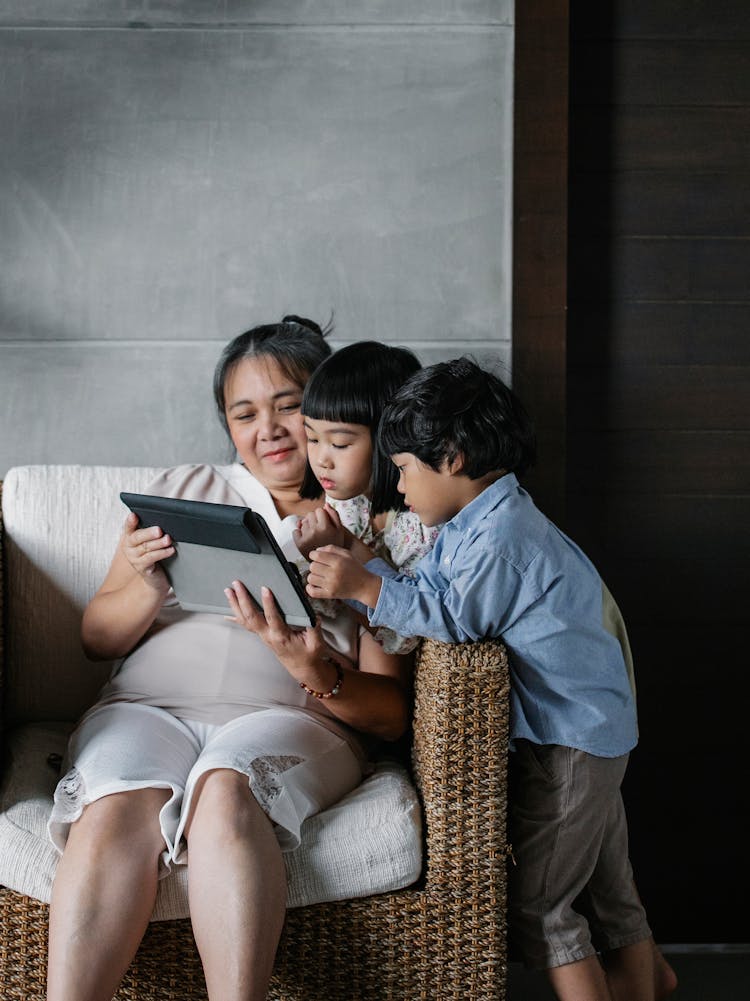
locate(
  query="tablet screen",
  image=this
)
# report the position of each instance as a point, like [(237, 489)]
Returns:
[(216, 544)]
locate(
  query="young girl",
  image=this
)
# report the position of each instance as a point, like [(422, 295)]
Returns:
[(341, 407)]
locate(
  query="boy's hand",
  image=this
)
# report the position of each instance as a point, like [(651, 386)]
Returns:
[(335, 573)]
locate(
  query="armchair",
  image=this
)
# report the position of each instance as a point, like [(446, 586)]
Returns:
[(439, 938)]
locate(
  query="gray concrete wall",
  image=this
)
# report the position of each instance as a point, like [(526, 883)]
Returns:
[(172, 173)]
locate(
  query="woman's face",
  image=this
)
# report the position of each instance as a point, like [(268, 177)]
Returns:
[(262, 410)]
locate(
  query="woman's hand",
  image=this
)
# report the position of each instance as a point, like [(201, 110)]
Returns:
[(304, 652), (321, 527), (144, 549), (374, 698), (125, 606)]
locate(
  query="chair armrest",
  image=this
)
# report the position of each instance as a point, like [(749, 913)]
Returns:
[(459, 756)]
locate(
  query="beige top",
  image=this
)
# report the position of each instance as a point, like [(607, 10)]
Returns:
[(201, 666)]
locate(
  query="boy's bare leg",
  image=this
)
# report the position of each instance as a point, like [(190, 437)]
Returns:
[(638, 972), (665, 979), (630, 972), (634, 973), (583, 980)]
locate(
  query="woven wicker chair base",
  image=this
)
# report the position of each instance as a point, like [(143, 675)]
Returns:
[(332, 951), (442, 940)]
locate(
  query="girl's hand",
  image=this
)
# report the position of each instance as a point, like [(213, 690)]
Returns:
[(336, 573), (321, 527), (144, 549)]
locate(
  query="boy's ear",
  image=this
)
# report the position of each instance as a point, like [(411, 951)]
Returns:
[(456, 466)]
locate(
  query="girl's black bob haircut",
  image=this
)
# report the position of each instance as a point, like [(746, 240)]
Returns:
[(297, 344), (457, 408), (353, 386)]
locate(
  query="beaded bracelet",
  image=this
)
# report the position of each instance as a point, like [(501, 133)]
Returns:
[(334, 691)]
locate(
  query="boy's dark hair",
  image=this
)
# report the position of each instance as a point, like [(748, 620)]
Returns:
[(456, 407), (353, 386), (297, 344)]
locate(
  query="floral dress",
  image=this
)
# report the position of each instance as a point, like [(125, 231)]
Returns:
[(402, 542)]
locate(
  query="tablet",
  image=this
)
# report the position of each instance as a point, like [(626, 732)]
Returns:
[(216, 544)]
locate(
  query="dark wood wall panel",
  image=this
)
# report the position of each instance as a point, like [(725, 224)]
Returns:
[(657, 462), (644, 138), (540, 136), (670, 785), (664, 268), (658, 447), (685, 594), (699, 204), (704, 705), (682, 528), (646, 333), (707, 20), (656, 73), (666, 397)]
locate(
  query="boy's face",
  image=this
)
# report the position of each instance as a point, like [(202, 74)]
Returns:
[(435, 496)]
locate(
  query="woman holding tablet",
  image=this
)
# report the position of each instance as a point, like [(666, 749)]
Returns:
[(211, 740)]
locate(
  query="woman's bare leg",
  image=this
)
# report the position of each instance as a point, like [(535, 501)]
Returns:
[(237, 883), (103, 894)]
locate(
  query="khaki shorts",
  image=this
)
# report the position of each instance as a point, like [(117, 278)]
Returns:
[(571, 892)]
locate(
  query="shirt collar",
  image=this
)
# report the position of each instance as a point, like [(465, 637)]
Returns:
[(484, 503)]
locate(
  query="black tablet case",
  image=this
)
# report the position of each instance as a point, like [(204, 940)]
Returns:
[(216, 544)]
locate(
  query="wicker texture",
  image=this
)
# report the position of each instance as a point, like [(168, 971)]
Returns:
[(440, 940)]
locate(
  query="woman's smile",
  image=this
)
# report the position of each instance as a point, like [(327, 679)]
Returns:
[(279, 454)]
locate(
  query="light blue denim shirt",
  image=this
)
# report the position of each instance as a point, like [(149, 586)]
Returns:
[(500, 568)]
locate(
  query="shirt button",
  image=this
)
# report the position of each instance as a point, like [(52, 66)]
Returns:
[(446, 559)]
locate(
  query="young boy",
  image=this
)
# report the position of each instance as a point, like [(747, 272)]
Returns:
[(500, 568)]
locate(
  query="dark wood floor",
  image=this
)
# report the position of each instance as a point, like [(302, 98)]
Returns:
[(710, 975)]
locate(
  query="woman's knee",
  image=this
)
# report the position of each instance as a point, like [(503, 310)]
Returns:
[(129, 818), (223, 800)]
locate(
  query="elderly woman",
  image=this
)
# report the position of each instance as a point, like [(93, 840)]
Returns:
[(216, 736)]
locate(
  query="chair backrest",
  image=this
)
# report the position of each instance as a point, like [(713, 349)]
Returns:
[(61, 524)]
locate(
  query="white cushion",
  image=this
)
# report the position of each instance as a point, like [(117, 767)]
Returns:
[(61, 528), (369, 842)]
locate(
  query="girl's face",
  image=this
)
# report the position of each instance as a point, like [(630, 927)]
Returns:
[(262, 408), (340, 456)]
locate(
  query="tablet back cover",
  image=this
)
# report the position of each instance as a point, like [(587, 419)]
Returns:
[(216, 544)]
